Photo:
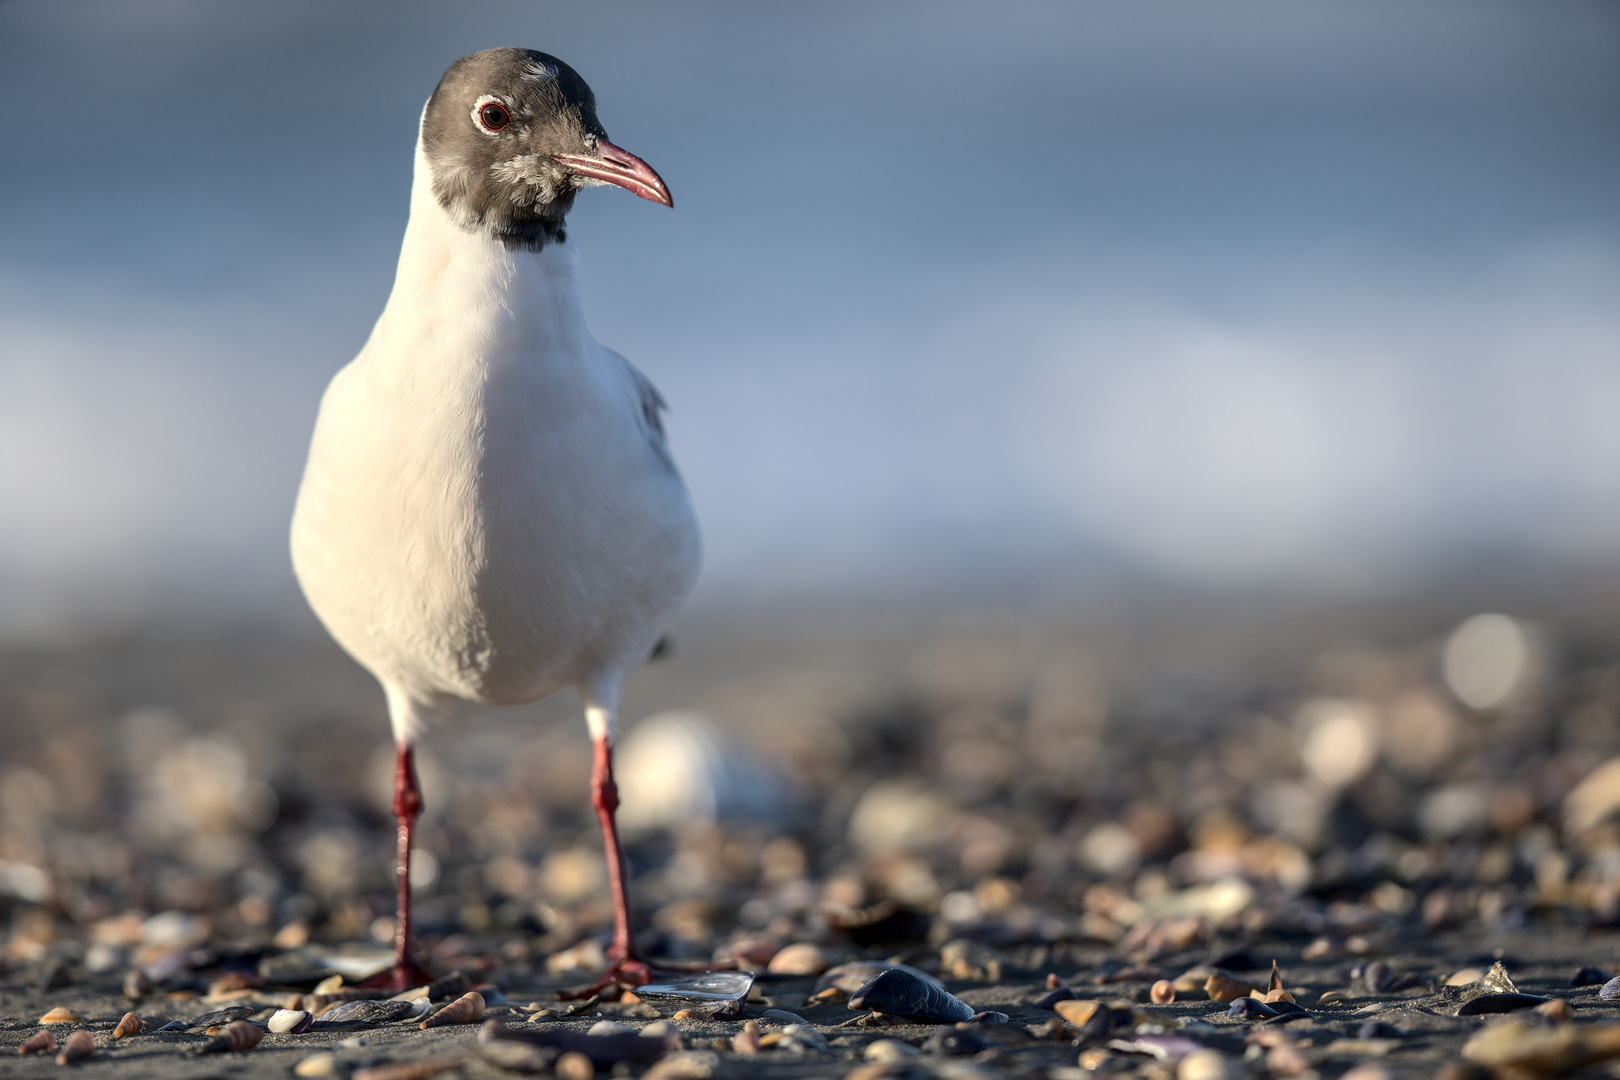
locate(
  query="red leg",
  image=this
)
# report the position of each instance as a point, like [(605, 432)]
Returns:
[(406, 972), (626, 966)]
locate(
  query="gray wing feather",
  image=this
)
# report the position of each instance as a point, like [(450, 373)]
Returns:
[(651, 401)]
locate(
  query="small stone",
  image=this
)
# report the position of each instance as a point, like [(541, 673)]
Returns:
[(289, 1021), (1486, 1004), (61, 1015), (1209, 1065), (608, 1027), (890, 1051), (574, 1066), (800, 958), (128, 1025), (1557, 1010), (1163, 992), (81, 1044), (1589, 976), (1513, 1047), (686, 1065), (746, 1041), (324, 1063), (1052, 981), (136, 984)]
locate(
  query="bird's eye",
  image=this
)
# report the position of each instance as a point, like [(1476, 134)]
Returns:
[(494, 116)]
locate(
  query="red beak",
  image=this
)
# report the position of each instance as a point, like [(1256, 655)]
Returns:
[(621, 167)]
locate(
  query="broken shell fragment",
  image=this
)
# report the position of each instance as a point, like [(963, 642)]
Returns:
[(61, 1015), (290, 1021), (1222, 987), (129, 1025), (900, 993), (79, 1045), (1077, 1012), (466, 1009), (41, 1042), (238, 1035)]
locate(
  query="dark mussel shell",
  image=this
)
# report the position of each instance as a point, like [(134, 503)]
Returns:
[(900, 993), (1500, 1003), (854, 974), (367, 1012)]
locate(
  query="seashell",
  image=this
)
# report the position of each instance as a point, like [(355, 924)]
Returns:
[(324, 1063), (783, 1015), (800, 958), (991, 1016), (41, 1042), (129, 1025), (466, 1009), (419, 992), (1500, 1003), (579, 1008), (238, 1035), (1163, 992), (574, 1065), (1278, 994), (900, 993), (542, 1016), (1250, 1008), (796, 1036), (958, 1042), (1610, 989), (890, 1051), (218, 1018), (1589, 976), (1052, 980), (851, 976), (1557, 1010), (232, 981), (369, 1011), (1077, 1012), (61, 1015), (685, 1014), (290, 1021), (81, 1044), (608, 1027), (746, 1041), (1377, 1029), (1465, 977), (686, 1065), (1209, 1065), (407, 1070), (1513, 1047), (1223, 987), (1337, 994), (965, 958), (136, 984), (328, 985)]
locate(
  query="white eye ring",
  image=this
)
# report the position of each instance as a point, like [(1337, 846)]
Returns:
[(482, 121)]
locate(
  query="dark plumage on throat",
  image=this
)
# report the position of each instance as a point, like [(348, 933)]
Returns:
[(489, 134)]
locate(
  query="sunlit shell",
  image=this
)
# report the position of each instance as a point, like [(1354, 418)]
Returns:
[(290, 1021), (79, 1045), (238, 1035), (129, 1025), (61, 1015), (466, 1009)]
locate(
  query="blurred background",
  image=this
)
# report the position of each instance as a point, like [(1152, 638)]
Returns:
[(1107, 422)]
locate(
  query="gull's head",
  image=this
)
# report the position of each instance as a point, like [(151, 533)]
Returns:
[(510, 135)]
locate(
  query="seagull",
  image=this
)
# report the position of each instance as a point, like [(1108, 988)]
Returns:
[(490, 511)]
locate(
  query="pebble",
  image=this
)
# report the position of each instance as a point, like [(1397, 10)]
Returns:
[(890, 1050), (1589, 976), (1514, 1047), (41, 1042), (899, 993), (746, 1041), (61, 1015), (784, 1016), (1209, 1065), (81, 1044), (574, 1066), (801, 958), (290, 1021), (128, 1025), (608, 1027), (466, 1009), (324, 1063)]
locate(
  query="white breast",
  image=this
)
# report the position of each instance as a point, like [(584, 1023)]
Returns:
[(486, 513)]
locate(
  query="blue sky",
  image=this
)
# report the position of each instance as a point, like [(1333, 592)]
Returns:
[(1220, 293)]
